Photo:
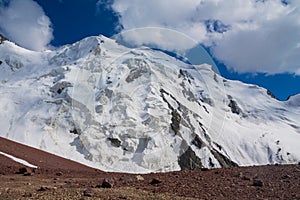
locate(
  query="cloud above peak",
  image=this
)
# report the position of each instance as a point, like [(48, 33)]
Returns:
[(24, 22), (247, 35)]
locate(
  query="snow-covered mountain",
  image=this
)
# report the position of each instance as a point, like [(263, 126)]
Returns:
[(140, 110)]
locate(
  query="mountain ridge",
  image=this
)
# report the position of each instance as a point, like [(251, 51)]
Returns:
[(140, 110)]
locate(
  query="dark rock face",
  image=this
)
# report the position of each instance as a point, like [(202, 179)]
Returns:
[(75, 131), (271, 94), (223, 160), (176, 118), (189, 160), (234, 106), (115, 142), (185, 74), (2, 39), (198, 142)]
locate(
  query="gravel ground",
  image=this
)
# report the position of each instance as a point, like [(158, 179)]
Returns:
[(59, 178)]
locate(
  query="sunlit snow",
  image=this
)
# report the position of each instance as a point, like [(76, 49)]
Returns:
[(140, 110)]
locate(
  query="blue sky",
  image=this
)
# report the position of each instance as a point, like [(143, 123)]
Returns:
[(253, 41), (73, 20)]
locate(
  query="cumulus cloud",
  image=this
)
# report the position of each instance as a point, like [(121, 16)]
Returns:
[(247, 35), (24, 22)]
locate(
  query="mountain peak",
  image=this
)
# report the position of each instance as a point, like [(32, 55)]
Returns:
[(139, 110)]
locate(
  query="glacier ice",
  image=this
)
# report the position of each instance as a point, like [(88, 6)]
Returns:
[(140, 110)]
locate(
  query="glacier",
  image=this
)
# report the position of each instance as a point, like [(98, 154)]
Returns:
[(139, 110)]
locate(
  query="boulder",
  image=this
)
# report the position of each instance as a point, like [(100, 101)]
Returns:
[(108, 183)]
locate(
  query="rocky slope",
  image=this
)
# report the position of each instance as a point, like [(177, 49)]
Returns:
[(58, 178)]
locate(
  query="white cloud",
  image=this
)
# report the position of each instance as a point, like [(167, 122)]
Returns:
[(256, 35), (157, 37), (24, 22)]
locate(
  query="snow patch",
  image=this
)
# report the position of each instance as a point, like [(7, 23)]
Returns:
[(18, 160)]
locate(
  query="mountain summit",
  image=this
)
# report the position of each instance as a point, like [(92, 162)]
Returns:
[(140, 110)]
